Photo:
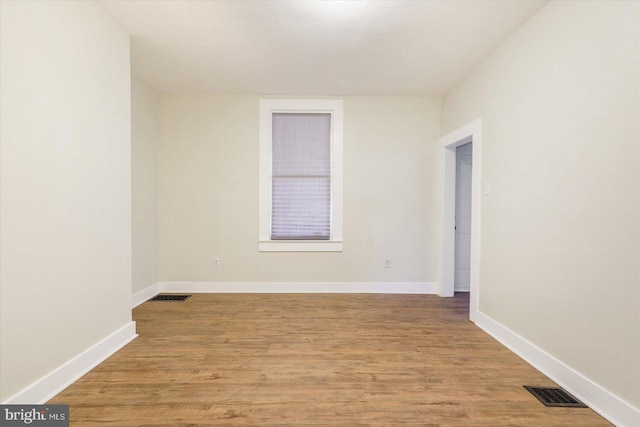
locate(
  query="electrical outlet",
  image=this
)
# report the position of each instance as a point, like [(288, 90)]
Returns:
[(387, 263), (216, 262)]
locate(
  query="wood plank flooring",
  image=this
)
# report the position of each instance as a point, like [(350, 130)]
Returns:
[(308, 359)]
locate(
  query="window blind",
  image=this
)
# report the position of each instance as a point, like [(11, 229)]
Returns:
[(301, 176)]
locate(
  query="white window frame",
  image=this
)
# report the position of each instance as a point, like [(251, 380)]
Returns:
[(267, 108)]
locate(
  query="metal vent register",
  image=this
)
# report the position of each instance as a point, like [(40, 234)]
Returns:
[(554, 396), (166, 297)]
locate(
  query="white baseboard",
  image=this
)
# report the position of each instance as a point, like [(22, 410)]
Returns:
[(143, 295), (53, 383), (301, 287), (605, 403)]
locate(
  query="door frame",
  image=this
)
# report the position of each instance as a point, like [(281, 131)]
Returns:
[(471, 132)]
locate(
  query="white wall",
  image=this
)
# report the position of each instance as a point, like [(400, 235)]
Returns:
[(208, 193), (560, 263), (144, 184), (65, 273)]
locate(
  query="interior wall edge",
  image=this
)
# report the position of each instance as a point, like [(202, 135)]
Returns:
[(425, 288), (598, 398), (43, 389), (145, 294)]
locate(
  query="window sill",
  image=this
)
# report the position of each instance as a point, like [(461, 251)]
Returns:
[(300, 246)]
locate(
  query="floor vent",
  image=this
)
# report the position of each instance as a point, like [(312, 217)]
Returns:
[(166, 297), (554, 396)]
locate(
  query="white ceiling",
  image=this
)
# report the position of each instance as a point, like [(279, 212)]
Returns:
[(313, 47)]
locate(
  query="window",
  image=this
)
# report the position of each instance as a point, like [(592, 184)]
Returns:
[(300, 175)]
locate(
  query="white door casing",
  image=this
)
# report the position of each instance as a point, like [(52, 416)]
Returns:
[(471, 132)]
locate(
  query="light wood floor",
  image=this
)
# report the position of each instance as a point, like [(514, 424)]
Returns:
[(339, 360)]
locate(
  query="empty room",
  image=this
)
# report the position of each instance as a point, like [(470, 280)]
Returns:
[(345, 213)]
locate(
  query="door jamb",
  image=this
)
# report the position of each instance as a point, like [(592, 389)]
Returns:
[(470, 132)]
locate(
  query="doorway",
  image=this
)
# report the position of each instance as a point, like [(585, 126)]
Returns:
[(464, 167), (470, 133)]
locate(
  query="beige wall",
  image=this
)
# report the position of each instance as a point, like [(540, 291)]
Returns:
[(144, 184), (560, 109), (208, 193), (65, 211)]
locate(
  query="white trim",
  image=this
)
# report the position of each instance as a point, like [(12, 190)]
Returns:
[(301, 287), (605, 403), (471, 132), (300, 246), (267, 108), (143, 295), (60, 378)]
